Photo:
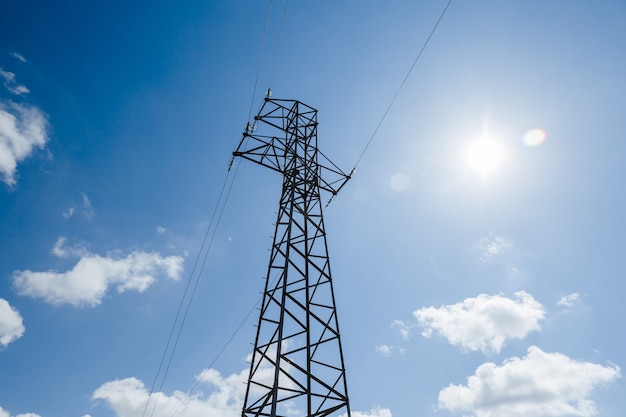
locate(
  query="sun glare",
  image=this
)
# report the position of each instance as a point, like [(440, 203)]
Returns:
[(485, 156)]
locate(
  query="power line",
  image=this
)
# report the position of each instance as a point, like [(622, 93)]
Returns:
[(258, 69), (406, 77), (186, 300)]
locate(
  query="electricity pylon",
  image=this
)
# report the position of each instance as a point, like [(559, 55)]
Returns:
[(297, 365)]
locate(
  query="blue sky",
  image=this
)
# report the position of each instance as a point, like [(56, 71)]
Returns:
[(477, 253)]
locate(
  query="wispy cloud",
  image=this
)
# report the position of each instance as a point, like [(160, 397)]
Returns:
[(403, 327), (387, 350), (85, 208), (569, 300), (11, 84), (483, 323), (61, 250), (92, 276), (539, 384), (11, 325), (492, 246), (69, 213), (20, 57), (22, 129)]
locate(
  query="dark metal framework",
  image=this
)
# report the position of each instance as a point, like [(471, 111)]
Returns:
[(297, 363)]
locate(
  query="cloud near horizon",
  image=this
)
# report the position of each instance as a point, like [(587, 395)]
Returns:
[(11, 325), (483, 323), (92, 276), (5, 413), (538, 385), (129, 396)]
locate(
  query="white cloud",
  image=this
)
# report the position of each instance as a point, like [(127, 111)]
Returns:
[(569, 300), (492, 246), (19, 56), (5, 413), (69, 213), (384, 350), (11, 324), (89, 280), (225, 397), (375, 412), (128, 397), (403, 327), (483, 323), (62, 251), (387, 350), (538, 385), (22, 128), (11, 84), (160, 230), (87, 207)]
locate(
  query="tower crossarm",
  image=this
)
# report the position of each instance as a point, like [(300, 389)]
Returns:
[(291, 119)]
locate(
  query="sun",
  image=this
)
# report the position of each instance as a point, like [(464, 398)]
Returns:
[(485, 156)]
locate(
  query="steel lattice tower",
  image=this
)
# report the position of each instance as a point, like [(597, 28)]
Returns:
[(297, 363)]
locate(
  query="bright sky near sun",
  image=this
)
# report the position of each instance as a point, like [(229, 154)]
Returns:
[(477, 253)]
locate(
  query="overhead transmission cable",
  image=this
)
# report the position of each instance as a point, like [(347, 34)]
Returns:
[(186, 300), (258, 69), (406, 77), (280, 37)]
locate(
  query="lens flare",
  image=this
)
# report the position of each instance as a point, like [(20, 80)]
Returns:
[(534, 137), (400, 182)]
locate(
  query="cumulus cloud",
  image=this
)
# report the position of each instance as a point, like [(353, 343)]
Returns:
[(92, 276), (128, 397), (22, 129), (5, 413), (483, 323), (11, 324), (224, 397), (538, 385)]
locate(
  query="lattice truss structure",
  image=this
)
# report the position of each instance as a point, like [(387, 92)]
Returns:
[(297, 364)]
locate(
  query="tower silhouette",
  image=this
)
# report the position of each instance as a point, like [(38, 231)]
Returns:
[(297, 363)]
